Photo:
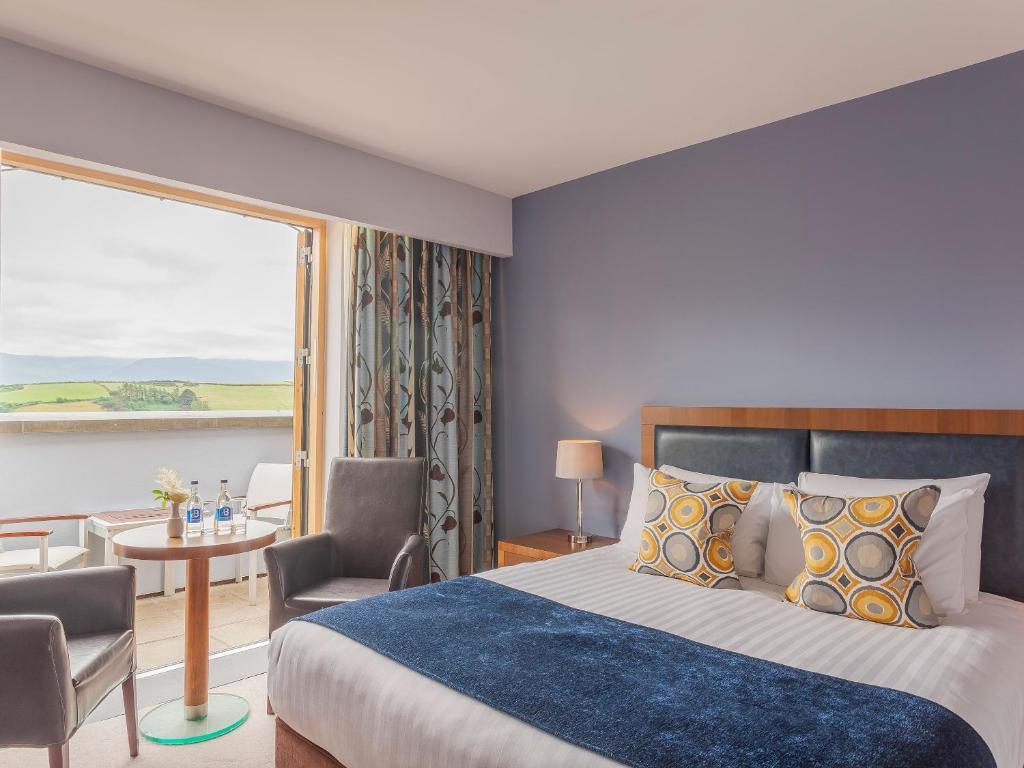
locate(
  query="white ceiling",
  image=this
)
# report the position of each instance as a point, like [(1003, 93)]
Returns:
[(518, 95)]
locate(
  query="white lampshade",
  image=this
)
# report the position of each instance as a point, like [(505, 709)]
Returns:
[(579, 460)]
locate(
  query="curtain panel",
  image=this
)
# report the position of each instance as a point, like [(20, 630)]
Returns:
[(419, 382)]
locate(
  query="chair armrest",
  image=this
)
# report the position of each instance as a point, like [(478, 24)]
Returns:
[(41, 519), (86, 600), (37, 696), (23, 534), (298, 564), (407, 570), (269, 505)]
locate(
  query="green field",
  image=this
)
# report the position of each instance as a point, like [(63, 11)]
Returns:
[(80, 406), (79, 396), (50, 393), (246, 397)]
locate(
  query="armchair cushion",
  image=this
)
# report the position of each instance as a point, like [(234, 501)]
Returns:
[(99, 663), (340, 589), (28, 559)]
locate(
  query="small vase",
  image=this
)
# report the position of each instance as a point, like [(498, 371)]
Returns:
[(175, 523)]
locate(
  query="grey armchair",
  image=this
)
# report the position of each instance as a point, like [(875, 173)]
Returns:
[(67, 639), (372, 542)]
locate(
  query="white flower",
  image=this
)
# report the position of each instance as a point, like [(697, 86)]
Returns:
[(169, 481)]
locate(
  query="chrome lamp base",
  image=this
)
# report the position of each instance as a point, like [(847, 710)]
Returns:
[(579, 538)]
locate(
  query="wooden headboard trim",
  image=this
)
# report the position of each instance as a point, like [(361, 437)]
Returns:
[(923, 420)]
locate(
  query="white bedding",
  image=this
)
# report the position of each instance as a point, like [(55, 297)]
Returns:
[(371, 712)]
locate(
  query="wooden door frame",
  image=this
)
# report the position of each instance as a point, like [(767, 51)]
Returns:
[(316, 400)]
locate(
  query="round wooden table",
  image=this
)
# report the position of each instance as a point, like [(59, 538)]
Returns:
[(197, 716)]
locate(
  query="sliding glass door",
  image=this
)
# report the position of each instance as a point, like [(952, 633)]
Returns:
[(146, 326)]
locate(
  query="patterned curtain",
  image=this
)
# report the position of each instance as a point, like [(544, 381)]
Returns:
[(419, 382)]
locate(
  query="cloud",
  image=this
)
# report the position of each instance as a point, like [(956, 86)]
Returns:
[(88, 270)]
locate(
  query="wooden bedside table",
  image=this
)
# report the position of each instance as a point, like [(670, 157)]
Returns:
[(544, 546)]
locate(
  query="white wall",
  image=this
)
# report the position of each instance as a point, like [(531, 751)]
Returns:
[(54, 104), (44, 473)]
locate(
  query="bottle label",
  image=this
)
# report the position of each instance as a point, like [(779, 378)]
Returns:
[(194, 515), (224, 513)]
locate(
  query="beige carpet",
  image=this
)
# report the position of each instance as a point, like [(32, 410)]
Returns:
[(105, 745)]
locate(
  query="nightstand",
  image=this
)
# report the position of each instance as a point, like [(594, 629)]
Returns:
[(544, 546)]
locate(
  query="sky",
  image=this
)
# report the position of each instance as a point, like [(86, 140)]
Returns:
[(90, 270)]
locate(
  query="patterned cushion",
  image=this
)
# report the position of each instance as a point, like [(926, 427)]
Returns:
[(858, 555), (687, 530)]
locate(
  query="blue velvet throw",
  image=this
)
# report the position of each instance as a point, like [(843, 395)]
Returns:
[(644, 697)]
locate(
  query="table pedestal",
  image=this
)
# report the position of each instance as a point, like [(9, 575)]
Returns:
[(198, 716), (197, 637)]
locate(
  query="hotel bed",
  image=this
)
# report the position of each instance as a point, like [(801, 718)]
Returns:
[(339, 702)]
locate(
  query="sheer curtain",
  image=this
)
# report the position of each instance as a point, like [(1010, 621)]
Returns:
[(419, 382)]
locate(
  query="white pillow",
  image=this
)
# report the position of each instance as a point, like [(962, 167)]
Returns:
[(839, 485), (751, 533), (942, 554), (940, 558), (784, 549), (634, 523)]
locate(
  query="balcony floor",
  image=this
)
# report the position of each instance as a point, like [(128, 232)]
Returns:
[(160, 622)]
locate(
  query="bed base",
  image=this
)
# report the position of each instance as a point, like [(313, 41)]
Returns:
[(294, 751)]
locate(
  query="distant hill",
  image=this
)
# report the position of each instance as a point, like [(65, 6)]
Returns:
[(35, 369)]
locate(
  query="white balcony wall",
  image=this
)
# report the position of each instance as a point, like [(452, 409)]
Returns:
[(43, 473)]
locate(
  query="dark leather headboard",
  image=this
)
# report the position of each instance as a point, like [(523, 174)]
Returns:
[(889, 454), (768, 455), (779, 454)]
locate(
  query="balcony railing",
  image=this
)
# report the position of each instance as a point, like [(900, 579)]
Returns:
[(90, 465), (141, 421)]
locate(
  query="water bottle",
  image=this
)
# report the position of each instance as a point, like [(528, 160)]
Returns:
[(222, 515), (194, 511)]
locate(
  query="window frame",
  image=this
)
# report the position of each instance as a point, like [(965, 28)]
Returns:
[(315, 397)]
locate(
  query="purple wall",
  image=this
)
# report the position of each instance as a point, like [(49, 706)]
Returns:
[(867, 254)]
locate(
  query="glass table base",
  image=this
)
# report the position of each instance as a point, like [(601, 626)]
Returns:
[(167, 724)]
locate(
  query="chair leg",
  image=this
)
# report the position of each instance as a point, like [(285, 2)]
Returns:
[(252, 577), (131, 715), (59, 757), (169, 578)]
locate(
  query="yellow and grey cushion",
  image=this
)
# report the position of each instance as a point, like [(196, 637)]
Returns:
[(858, 555), (688, 527)]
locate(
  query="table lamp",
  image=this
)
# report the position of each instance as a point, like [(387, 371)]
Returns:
[(579, 460)]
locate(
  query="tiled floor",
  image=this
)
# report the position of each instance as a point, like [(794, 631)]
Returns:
[(160, 622)]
